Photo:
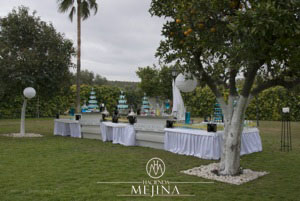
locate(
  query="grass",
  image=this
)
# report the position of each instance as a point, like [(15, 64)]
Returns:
[(61, 168)]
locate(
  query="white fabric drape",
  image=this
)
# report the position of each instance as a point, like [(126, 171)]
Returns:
[(118, 133), (207, 145), (124, 135), (250, 141), (106, 132), (65, 127), (178, 109)]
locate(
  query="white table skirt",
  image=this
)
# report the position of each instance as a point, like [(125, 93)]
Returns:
[(118, 133), (124, 135), (250, 141), (207, 145), (65, 127)]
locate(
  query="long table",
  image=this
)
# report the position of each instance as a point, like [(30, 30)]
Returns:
[(207, 145), (118, 133), (66, 127)]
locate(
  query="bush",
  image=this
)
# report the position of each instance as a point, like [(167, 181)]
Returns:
[(199, 102), (270, 103)]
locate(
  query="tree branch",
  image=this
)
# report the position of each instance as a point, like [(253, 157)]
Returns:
[(204, 76), (232, 83), (211, 84), (250, 77)]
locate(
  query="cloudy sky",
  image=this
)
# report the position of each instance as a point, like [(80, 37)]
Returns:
[(120, 38)]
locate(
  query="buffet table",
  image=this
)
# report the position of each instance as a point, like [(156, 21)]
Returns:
[(250, 141), (66, 127), (207, 145), (118, 133)]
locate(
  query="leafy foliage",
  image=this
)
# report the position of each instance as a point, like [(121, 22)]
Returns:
[(85, 7), (89, 78), (156, 82), (200, 102), (125, 85), (38, 106), (219, 40), (104, 94), (33, 54), (270, 103)]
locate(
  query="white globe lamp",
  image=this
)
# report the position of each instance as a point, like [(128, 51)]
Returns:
[(29, 93), (186, 82)]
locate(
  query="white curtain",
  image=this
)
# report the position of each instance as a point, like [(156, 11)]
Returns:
[(178, 110)]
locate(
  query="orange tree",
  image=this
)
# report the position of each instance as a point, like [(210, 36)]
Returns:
[(220, 40)]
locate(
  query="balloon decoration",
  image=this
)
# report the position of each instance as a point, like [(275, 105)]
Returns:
[(186, 82)]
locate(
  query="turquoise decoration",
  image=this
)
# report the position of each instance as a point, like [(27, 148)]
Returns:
[(122, 104), (92, 103), (145, 109), (218, 115), (167, 105), (187, 117), (84, 108), (72, 112)]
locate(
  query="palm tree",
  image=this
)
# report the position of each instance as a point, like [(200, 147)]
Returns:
[(83, 12)]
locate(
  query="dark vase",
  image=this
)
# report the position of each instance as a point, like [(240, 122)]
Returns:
[(170, 123), (115, 119), (103, 117), (77, 117), (211, 127), (131, 119)]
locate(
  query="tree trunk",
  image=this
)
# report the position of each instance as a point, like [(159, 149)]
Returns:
[(234, 118), (22, 126), (78, 56)]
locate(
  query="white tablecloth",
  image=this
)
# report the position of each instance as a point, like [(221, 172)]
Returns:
[(66, 127), (118, 133), (207, 145), (250, 141)]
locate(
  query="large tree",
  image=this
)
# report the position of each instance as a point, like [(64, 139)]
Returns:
[(156, 82), (149, 80), (83, 12), (221, 40), (32, 54)]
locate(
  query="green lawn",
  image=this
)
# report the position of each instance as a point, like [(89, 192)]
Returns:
[(62, 168)]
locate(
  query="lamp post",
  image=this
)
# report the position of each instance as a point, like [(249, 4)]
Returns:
[(174, 74), (29, 93)]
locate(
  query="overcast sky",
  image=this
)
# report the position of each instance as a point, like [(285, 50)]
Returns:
[(120, 38)]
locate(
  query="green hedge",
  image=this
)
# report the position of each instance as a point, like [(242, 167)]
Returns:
[(38, 106), (200, 103), (269, 103), (10, 107), (104, 94)]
